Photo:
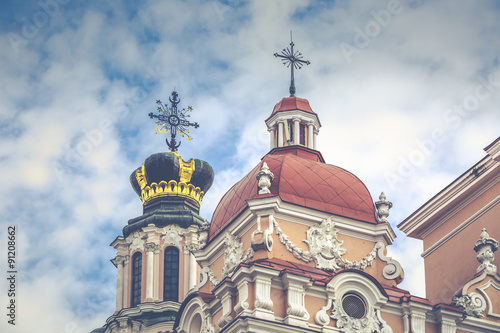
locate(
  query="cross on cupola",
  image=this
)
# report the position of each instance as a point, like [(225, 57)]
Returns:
[(293, 60), (173, 120)]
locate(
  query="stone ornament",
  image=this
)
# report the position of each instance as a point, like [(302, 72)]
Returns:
[(472, 303), (265, 178), (207, 326), (383, 207), (234, 255), (172, 234), (372, 322), (325, 249), (263, 239), (263, 294), (322, 318), (207, 274), (151, 247), (324, 246), (486, 248), (393, 269), (120, 260)]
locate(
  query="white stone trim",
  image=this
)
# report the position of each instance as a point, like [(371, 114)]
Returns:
[(296, 291), (195, 306), (476, 325), (458, 208), (309, 217), (325, 248), (393, 269), (304, 116), (242, 304), (461, 227), (451, 197), (322, 318), (350, 282), (225, 293)]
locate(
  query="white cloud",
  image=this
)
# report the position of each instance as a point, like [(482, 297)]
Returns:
[(98, 68)]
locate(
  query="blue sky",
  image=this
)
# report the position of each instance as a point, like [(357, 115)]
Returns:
[(407, 93)]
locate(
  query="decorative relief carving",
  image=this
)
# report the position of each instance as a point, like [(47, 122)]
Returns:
[(151, 247), (208, 274), (190, 248), (233, 255), (383, 207), (486, 248), (202, 239), (297, 252), (368, 324), (207, 326), (120, 260), (265, 178), (472, 303), (172, 235), (136, 241), (325, 248)]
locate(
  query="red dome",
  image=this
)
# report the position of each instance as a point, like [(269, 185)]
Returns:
[(292, 103), (301, 178)]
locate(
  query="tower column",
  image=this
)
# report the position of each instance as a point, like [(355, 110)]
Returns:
[(119, 262), (156, 269), (150, 248), (280, 132), (192, 271), (272, 141), (296, 132), (310, 135), (316, 132)]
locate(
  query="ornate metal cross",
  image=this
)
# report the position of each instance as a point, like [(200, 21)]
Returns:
[(293, 60), (173, 120)]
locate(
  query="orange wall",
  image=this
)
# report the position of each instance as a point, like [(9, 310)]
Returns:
[(461, 216), (454, 263)]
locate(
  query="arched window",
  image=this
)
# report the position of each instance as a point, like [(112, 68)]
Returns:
[(136, 279), (171, 274)]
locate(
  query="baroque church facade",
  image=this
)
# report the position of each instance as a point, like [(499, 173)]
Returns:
[(298, 245)]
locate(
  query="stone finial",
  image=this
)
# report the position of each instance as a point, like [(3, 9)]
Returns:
[(265, 178), (485, 247), (383, 207)]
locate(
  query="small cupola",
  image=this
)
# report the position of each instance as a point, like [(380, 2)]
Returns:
[(293, 122)]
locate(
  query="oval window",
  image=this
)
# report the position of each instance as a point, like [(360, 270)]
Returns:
[(354, 306)]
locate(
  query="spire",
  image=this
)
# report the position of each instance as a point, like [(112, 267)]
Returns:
[(293, 60), (173, 120)]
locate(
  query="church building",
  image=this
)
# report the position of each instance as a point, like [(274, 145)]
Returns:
[(299, 245)]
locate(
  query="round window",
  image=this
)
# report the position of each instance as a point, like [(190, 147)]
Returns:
[(354, 306)]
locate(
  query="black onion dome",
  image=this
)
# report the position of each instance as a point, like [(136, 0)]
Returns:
[(166, 167), (203, 175), (134, 183), (162, 166)]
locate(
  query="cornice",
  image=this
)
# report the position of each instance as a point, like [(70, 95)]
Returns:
[(466, 188), (310, 217), (288, 114), (461, 227)]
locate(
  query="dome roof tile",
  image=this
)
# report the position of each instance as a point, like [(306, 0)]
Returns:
[(301, 181)]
